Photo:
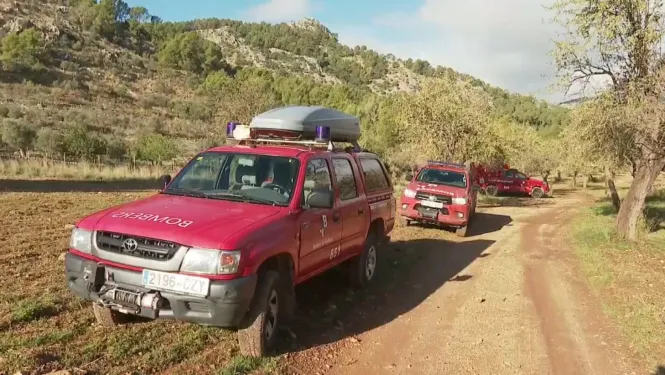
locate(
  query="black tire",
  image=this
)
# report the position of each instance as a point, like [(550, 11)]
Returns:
[(108, 317), (492, 191), (537, 193), (362, 269), (461, 232), (258, 330)]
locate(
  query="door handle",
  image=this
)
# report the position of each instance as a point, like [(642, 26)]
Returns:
[(361, 210), (336, 216)]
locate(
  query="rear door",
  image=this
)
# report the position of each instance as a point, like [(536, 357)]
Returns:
[(508, 182), (379, 191), (320, 228), (521, 182), (352, 204)]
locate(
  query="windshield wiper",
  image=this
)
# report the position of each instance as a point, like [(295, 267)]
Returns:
[(187, 192), (243, 197)]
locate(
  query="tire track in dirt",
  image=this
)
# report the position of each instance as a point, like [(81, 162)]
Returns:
[(514, 306), (575, 331), (479, 311)]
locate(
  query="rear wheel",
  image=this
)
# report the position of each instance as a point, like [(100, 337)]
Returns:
[(363, 266), (491, 190), (108, 317), (258, 330), (537, 193)]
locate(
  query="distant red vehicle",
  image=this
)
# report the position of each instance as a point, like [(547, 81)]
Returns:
[(508, 180), (440, 193)]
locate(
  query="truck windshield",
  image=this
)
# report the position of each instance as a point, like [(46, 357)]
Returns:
[(441, 177), (260, 179)]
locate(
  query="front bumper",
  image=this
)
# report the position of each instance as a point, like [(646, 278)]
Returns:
[(225, 305), (455, 215)]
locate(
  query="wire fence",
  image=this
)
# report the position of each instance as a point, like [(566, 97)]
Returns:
[(98, 160)]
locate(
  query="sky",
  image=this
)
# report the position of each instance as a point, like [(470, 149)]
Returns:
[(503, 42)]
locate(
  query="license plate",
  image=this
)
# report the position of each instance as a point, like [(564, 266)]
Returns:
[(432, 204), (176, 283)]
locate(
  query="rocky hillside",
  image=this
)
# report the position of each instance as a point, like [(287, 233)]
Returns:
[(88, 78)]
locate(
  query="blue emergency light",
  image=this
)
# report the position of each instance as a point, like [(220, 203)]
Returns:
[(230, 127), (322, 134)]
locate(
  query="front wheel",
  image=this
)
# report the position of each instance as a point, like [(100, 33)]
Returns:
[(537, 193), (258, 330), (363, 267)]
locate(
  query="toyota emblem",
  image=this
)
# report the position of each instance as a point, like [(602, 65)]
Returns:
[(129, 245)]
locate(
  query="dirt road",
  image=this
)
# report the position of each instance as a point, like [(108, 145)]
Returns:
[(505, 300)]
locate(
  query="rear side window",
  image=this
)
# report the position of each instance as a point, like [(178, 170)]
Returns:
[(345, 179), (375, 178)]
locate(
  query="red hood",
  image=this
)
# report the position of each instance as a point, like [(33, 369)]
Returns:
[(185, 220), (452, 191)]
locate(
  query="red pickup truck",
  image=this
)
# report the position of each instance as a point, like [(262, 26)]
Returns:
[(440, 193), (508, 180), (227, 239)]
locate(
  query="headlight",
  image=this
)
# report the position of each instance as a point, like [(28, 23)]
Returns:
[(409, 193), (459, 200), (211, 262), (81, 240)]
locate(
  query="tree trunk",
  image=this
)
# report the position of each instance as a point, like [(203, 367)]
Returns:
[(574, 179), (546, 175), (632, 207), (585, 181), (611, 189), (558, 176)]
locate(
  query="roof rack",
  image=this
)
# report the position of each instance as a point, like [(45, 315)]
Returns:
[(329, 146)]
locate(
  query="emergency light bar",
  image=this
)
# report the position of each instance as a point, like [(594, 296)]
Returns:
[(446, 164)]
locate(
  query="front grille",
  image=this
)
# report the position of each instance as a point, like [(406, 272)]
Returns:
[(445, 199), (148, 248)]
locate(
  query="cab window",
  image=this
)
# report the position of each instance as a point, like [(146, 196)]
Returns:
[(375, 178), (345, 179), (317, 179)]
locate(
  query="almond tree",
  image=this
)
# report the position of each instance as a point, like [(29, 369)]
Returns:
[(446, 120), (620, 40)]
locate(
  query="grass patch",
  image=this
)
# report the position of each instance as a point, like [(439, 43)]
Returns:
[(31, 169), (240, 365), (627, 277), (29, 310)]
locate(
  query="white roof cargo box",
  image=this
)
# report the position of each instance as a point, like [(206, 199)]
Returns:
[(305, 119)]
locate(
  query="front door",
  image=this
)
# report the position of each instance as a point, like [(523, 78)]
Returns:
[(352, 206), (320, 228)]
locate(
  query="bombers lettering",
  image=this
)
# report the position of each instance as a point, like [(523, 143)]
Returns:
[(152, 217)]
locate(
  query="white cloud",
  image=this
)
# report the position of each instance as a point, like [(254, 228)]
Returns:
[(280, 10), (505, 43)]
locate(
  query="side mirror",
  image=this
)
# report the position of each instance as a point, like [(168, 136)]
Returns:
[(408, 177), (320, 199), (166, 179)]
